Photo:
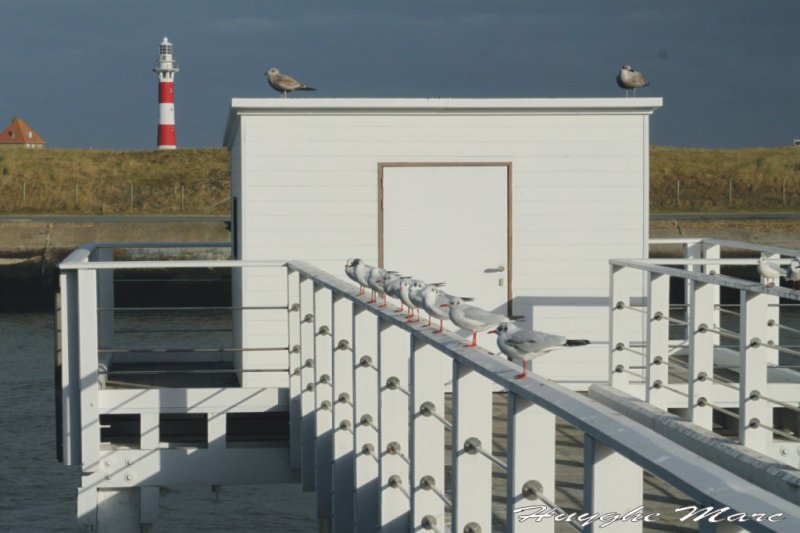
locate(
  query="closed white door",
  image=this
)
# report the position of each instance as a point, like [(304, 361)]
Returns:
[(450, 223)]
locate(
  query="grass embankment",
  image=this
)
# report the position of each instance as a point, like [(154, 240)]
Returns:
[(196, 181), (751, 179), (189, 181)]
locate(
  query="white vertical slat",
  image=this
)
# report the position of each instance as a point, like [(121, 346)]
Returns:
[(714, 251), (772, 312), (323, 375), (87, 354), (701, 353), (531, 462), (753, 372), (657, 338), (610, 481), (427, 433), (308, 424), (70, 382), (343, 441), (472, 472), (149, 429), (365, 409), (393, 362), (621, 324), (295, 365)]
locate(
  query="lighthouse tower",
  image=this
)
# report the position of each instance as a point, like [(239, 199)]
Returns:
[(166, 67)]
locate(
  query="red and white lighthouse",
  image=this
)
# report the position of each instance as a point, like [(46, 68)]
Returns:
[(166, 67)]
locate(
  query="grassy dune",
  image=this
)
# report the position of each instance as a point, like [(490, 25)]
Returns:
[(196, 181), (193, 181), (752, 179)]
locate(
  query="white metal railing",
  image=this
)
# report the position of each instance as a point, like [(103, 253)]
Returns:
[(741, 370), (370, 397), (368, 424)]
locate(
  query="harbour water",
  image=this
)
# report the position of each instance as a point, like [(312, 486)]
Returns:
[(37, 493)]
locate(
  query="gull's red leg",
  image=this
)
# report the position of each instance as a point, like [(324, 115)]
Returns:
[(441, 326), (474, 340), (524, 370)]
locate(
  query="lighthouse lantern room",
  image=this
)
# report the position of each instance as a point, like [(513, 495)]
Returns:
[(166, 67)]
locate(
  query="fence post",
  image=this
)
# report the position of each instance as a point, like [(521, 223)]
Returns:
[(365, 414), (323, 372), (307, 385)]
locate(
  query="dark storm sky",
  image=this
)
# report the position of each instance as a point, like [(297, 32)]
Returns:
[(80, 71)]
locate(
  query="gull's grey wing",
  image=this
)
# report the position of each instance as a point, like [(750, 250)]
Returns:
[(481, 315), (534, 341)]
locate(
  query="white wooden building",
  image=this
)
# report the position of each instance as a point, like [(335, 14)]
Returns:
[(519, 203)]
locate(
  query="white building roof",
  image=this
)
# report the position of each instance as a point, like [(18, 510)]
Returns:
[(619, 105)]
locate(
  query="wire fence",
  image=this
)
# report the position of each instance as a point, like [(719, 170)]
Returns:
[(725, 193), (202, 196)]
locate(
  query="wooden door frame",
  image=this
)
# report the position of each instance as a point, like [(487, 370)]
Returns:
[(509, 198)]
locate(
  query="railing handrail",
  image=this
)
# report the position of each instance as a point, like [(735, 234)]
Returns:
[(739, 245), (655, 453), (655, 266)]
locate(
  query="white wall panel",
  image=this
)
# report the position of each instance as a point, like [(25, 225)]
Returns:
[(579, 192)]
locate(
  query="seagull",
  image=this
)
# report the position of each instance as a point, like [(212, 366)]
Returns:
[(284, 84), (389, 281), (471, 317), (433, 300), (630, 79), (793, 273), (403, 292), (360, 273), (770, 271), (524, 344), (375, 281), (415, 295)]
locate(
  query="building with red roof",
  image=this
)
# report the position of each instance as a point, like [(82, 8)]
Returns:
[(18, 133)]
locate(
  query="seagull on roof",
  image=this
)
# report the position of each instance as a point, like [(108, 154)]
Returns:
[(524, 344), (284, 84), (628, 78)]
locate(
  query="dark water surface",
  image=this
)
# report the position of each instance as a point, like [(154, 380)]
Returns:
[(37, 493)]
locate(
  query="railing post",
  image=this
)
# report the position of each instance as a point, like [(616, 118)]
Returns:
[(393, 362), (753, 356), (308, 422), (295, 364), (365, 413), (87, 369), (343, 423), (610, 481), (772, 312), (70, 363), (531, 462), (714, 251), (621, 329), (427, 446), (701, 353), (323, 375), (657, 338), (472, 473)]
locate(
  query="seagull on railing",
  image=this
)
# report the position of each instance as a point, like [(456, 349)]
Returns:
[(375, 282), (390, 282), (284, 84), (404, 294), (770, 271), (415, 295), (524, 344), (473, 318), (793, 273), (630, 79), (433, 300), (358, 270)]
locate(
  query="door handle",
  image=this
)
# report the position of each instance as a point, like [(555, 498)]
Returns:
[(501, 268)]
